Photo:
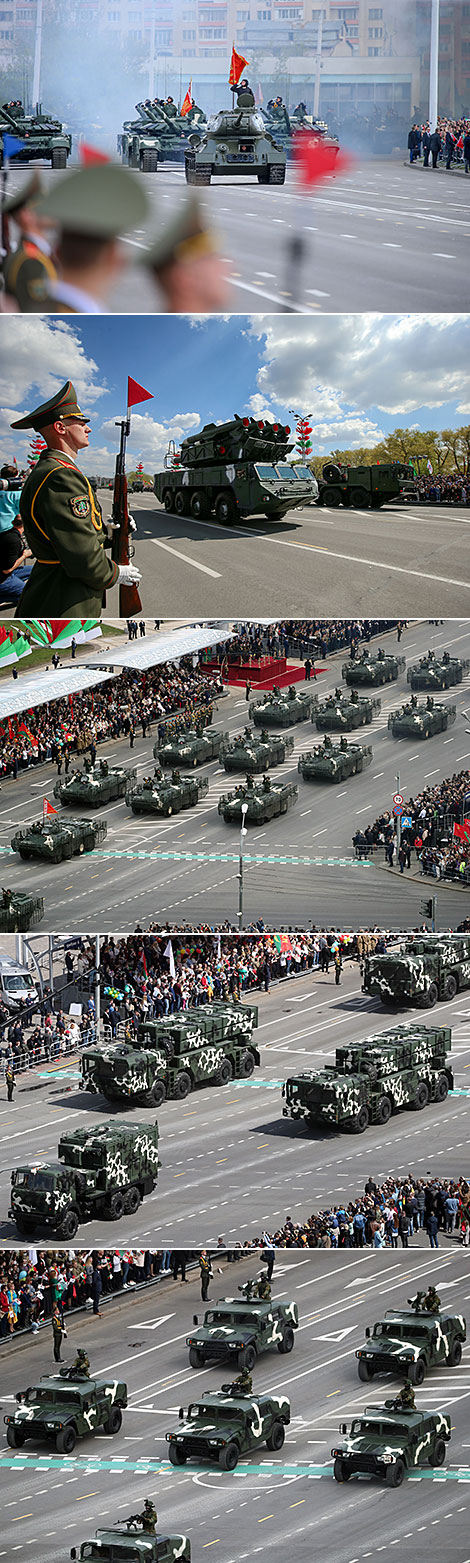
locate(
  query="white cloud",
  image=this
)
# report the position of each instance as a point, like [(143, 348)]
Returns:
[(148, 439), (37, 356)]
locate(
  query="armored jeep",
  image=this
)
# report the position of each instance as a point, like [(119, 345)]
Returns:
[(414, 721), (334, 762), (437, 672), (342, 712), (371, 1080), (280, 709), (170, 1057), (95, 785), (63, 1410), (103, 1171), (129, 1545), (235, 141), (220, 1427), (265, 800), (159, 794), (373, 668), (419, 971), (191, 747), (56, 840), (242, 1330), (386, 1443), (410, 1344), (251, 754), (20, 910)]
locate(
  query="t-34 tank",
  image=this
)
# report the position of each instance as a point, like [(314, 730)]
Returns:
[(44, 136), (95, 785), (236, 141), (191, 748), (282, 710), (415, 721), (433, 672), (159, 794), (341, 712), (55, 839), (249, 754), (265, 801), (19, 911), (237, 469), (334, 762), (370, 668)]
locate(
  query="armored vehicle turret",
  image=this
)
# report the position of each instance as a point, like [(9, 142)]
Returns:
[(159, 794), (132, 1545), (62, 1410), (191, 747), (387, 1442), (54, 840), (221, 1427), (363, 488), (420, 971), (157, 135), (94, 785), (409, 1344), (169, 1057), (20, 911), (250, 753), (103, 1171), (373, 668), (265, 800), (437, 672), (236, 469), (282, 709), (342, 713), (236, 141), (44, 137), (241, 1330), (421, 721), (284, 125), (334, 762), (373, 1079)]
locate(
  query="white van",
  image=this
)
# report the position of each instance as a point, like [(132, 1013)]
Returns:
[(17, 986)]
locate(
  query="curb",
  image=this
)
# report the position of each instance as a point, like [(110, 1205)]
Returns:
[(423, 879)]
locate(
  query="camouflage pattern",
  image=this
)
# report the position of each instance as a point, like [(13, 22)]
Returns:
[(94, 785), (437, 672), (128, 1545), (231, 1327), (373, 1079), (334, 762), (279, 709), (44, 137), (265, 801), (401, 1340), (236, 141), (156, 136), (105, 1170), (195, 1049), (164, 795), (219, 1421), (421, 721), (80, 1406), (373, 668), (250, 754), (419, 971), (54, 840), (192, 748), (341, 712), (20, 910), (238, 469), (382, 1442)]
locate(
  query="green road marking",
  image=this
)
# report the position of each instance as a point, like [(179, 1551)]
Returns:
[(225, 857), (121, 1465)]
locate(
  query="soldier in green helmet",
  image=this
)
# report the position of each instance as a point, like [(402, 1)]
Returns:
[(405, 1400), (80, 1367), (147, 1519), (432, 1301), (263, 1289), (243, 1385)]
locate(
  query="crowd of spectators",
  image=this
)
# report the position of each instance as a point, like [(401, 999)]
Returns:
[(34, 1282), (301, 637), (433, 814), (449, 140), (385, 1215), (445, 488)]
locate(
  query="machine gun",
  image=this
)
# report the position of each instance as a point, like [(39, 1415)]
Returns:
[(122, 548)]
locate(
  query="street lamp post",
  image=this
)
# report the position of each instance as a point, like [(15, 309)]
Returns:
[(434, 66), (240, 866)]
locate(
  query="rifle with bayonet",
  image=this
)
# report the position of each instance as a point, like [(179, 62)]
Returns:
[(122, 547)]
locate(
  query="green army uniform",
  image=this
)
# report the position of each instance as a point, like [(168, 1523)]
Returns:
[(243, 1385), (406, 1398), (28, 271), (264, 1289), (10, 1081), (81, 1364), (432, 1302), (148, 1518), (58, 1331)]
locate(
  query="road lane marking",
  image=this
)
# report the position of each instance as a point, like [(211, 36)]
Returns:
[(157, 543)]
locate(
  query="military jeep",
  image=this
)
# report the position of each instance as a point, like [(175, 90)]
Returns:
[(62, 1411), (129, 1545), (388, 1442), (410, 1344), (221, 1427), (242, 1330)]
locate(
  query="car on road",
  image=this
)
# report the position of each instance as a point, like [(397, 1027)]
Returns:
[(388, 1443), (412, 1343), (129, 1545), (242, 1330), (220, 1427), (62, 1410)]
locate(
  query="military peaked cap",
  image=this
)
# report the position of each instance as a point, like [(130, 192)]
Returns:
[(63, 405)]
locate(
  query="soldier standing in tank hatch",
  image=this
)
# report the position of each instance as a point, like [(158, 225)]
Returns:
[(245, 96)]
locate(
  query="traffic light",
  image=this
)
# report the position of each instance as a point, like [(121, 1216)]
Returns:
[(427, 908)]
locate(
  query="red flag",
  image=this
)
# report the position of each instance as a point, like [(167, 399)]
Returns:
[(315, 160), (462, 832), (282, 943), (237, 65), (188, 100), (136, 393), (47, 808), (91, 155)]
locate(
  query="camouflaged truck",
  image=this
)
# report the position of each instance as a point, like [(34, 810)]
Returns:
[(221, 1427), (387, 1442), (103, 1171), (342, 712), (170, 1057), (265, 800), (166, 795), (62, 1410), (419, 971), (437, 672), (96, 785), (251, 754), (414, 721), (56, 840), (191, 748), (279, 709), (20, 910), (334, 762), (129, 1545), (373, 668), (373, 1079), (409, 1344), (241, 1329)]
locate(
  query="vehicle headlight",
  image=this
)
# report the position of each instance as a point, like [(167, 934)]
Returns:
[(212, 1441), (388, 1459), (50, 1424)]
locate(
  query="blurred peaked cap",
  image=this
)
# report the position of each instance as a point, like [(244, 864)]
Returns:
[(184, 238), (63, 405), (101, 201), (29, 192)]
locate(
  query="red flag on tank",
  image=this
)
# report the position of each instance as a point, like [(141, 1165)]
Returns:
[(47, 808), (136, 393), (188, 100), (237, 65)]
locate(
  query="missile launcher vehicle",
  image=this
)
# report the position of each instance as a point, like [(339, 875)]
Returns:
[(265, 800), (371, 1080), (235, 469), (170, 1057), (334, 762), (364, 488), (414, 721), (373, 668), (250, 753), (419, 971), (342, 713), (104, 1171), (94, 785)]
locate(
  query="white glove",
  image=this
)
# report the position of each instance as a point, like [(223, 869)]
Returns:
[(132, 523), (129, 575)]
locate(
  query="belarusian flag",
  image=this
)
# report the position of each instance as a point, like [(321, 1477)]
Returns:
[(282, 943), (237, 65), (12, 650), (188, 100), (462, 832), (64, 631)]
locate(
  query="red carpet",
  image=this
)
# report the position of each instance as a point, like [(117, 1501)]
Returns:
[(263, 673)]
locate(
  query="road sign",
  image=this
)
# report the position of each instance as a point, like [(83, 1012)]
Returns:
[(398, 797), (406, 822), (397, 808)]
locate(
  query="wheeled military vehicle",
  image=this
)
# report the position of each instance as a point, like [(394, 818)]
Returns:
[(159, 794), (236, 141), (414, 721), (410, 1344), (387, 1442), (251, 754), (191, 747), (44, 136), (63, 1410), (54, 840), (342, 713), (96, 785), (265, 801), (437, 672), (242, 1330), (103, 1171), (20, 910), (235, 469), (221, 1427), (373, 668), (170, 1057), (371, 1080), (278, 709), (363, 488), (334, 762), (129, 1545), (419, 971)]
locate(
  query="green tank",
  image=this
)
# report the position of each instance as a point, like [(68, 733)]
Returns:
[(389, 1443), (191, 747), (371, 1080), (54, 840), (159, 794), (419, 971), (19, 911), (265, 801), (283, 709), (61, 1411), (250, 754), (104, 1171), (220, 1427), (94, 785), (363, 488), (236, 141), (235, 469), (156, 136), (342, 713), (169, 1057), (45, 136), (434, 672), (130, 1545), (242, 1330), (283, 125), (334, 762), (414, 721), (410, 1344), (373, 668)]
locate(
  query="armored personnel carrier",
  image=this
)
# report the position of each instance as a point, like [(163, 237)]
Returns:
[(420, 971), (387, 1442), (373, 668), (62, 1410), (221, 1427), (409, 1344), (364, 488), (95, 784), (191, 747), (45, 137), (130, 1545), (160, 794), (242, 1330), (102, 1171), (279, 709), (373, 1079), (437, 672), (334, 762), (19, 911), (170, 1057), (54, 840), (251, 754), (235, 469), (342, 713), (265, 801), (415, 721), (236, 141)]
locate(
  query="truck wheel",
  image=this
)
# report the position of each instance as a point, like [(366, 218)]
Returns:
[(421, 1097), (168, 810), (429, 999), (168, 501), (439, 1453), (395, 1474), (114, 1422), (286, 1344), (180, 503), (156, 1095), (225, 508), (149, 160), (365, 1371), (132, 1200), (277, 174), (341, 1471), (246, 1065), (384, 1109), (416, 1372), (69, 1224), (359, 499), (177, 1454), (246, 1358), (15, 1437), (115, 1207), (199, 505), (224, 1074), (196, 1359), (331, 496), (442, 1089), (228, 1457), (66, 1439), (450, 988), (358, 1124), (59, 157), (276, 1437), (455, 1354), (24, 854), (182, 1086)]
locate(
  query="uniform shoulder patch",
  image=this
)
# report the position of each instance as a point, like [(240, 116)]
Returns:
[(80, 506)]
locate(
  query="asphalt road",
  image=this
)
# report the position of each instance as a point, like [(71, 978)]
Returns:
[(230, 1162), (337, 1297), (157, 870)]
